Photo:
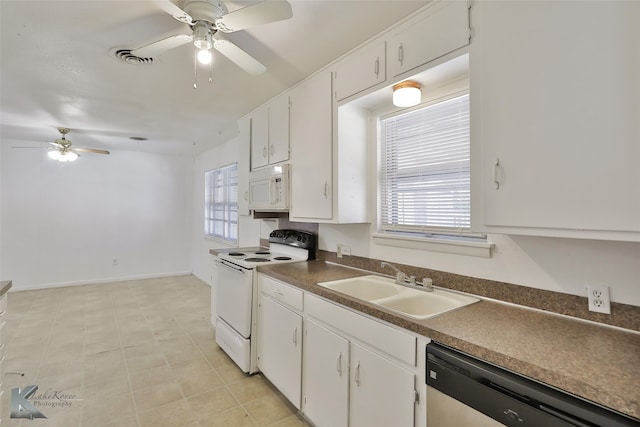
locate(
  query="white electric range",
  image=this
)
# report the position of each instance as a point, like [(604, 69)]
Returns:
[(237, 294)]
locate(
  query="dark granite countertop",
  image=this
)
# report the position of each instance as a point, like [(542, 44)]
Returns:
[(598, 363), (4, 287)]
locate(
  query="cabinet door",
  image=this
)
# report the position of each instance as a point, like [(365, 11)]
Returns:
[(280, 348), (279, 130), (361, 71), (382, 393), (440, 29), (555, 110), (260, 138), (326, 377), (311, 149)]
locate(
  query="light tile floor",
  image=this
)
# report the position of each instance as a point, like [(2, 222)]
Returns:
[(137, 353)]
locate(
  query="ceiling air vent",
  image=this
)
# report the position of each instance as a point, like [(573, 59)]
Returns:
[(125, 55)]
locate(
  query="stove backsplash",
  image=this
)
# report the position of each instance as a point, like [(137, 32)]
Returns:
[(284, 223)]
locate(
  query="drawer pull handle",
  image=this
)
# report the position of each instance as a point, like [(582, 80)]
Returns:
[(497, 176), (295, 337), (278, 292), (339, 364)]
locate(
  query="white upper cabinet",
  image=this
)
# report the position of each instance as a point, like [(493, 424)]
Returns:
[(311, 150), (328, 160), (439, 29), (360, 71), (555, 119), (270, 133)]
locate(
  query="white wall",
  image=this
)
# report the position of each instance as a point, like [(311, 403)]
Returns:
[(562, 265), (66, 223)]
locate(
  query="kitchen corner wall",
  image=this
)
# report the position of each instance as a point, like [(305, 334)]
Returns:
[(554, 264), (99, 219)]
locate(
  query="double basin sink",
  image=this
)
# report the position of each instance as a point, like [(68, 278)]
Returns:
[(409, 301)]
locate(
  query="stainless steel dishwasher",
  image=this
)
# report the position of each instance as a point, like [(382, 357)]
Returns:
[(463, 391)]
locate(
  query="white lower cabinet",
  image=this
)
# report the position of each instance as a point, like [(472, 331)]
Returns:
[(382, 392), (344, 369), (280, 347), (326, 376), (346, 381)]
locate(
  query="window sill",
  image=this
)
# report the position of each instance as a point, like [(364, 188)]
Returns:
[(458, 247)]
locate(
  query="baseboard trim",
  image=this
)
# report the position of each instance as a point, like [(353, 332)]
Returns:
[(99, 281)]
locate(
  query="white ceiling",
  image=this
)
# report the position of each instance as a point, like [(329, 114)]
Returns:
[(57, 70)]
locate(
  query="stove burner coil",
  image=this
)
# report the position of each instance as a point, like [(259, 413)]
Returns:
[(263, 253), (235, 254), (257, 259), (282, 258)]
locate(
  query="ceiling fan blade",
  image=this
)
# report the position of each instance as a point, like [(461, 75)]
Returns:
[(160, 46), (250, 16), (174, 11), (90, 150), (239, 57), (55, 144)]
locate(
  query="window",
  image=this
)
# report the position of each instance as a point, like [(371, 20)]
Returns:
[(425, 170), (221, 203)]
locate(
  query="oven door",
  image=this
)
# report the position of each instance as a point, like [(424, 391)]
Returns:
[(234, 297)]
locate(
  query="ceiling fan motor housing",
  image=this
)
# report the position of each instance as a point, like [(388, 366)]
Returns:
[(202, 10)]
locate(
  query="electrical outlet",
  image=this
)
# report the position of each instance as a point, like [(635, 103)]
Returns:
[(343, 250), (599, 300)]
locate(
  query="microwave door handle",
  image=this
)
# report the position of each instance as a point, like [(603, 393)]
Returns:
[(273, 197)]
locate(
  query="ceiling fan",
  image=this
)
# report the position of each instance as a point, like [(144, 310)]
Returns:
[(63, 151), (206, 18)]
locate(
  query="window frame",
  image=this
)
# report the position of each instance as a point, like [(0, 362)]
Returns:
[(228, 206), (408, 229)]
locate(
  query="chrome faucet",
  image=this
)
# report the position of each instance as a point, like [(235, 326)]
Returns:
[(400, 276)]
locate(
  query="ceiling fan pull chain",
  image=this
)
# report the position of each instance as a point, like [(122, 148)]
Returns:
[(195, 70), (210, 72)]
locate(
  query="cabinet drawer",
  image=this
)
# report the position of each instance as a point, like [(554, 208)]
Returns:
[(285, 294), (392, 341)]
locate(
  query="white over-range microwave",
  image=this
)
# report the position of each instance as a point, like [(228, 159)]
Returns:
[(269, 189)]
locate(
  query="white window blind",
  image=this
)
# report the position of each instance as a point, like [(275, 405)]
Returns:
[(221, 203), (425, 179)]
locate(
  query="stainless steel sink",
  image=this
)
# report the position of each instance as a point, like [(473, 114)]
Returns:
[(408, 301)]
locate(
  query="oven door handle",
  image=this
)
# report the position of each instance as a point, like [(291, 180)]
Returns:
[(232, 267)]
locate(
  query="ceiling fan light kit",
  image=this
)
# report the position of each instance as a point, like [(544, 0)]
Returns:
[(60, 156)]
